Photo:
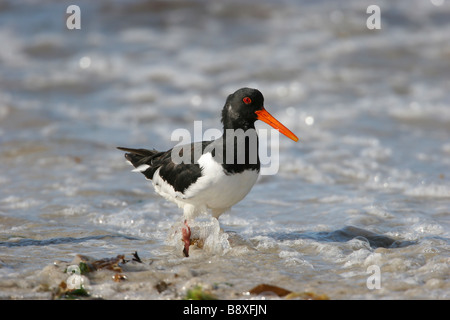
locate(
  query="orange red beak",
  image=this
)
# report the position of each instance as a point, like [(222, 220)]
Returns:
[(265, 116)]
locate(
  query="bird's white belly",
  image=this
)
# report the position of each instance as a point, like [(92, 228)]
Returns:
[(221, 192)]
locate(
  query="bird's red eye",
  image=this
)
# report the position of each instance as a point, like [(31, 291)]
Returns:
[(247, 100)]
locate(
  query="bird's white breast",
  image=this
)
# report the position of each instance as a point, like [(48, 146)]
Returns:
[(216, 188)]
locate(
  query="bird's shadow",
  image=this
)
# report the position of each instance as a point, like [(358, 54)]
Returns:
[(343, 235)]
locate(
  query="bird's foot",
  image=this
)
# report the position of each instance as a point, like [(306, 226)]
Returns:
[(186, 232)]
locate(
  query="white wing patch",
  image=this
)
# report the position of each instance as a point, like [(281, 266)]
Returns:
[(141, 168)]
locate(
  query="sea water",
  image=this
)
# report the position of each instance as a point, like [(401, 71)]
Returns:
[(358, 208)]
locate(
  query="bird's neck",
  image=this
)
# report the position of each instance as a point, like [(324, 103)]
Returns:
[(239, 149), (236, 124)]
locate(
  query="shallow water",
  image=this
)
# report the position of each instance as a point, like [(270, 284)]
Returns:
[(367, 185)]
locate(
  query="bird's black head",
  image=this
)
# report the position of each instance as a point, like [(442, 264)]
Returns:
[(244, 107), (240, 107)]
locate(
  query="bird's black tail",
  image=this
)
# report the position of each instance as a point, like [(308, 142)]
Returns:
[(142, 160)]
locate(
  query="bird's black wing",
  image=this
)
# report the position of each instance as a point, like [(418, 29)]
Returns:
[(178, 166)]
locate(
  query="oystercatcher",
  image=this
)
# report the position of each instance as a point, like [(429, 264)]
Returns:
[(212, 175)]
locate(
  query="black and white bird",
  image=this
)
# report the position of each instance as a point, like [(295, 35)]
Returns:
[(211, 176)]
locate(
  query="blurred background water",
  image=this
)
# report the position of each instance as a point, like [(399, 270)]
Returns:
[(368, 183)]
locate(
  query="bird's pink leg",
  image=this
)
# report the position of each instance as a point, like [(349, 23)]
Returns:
[(186, 232)]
